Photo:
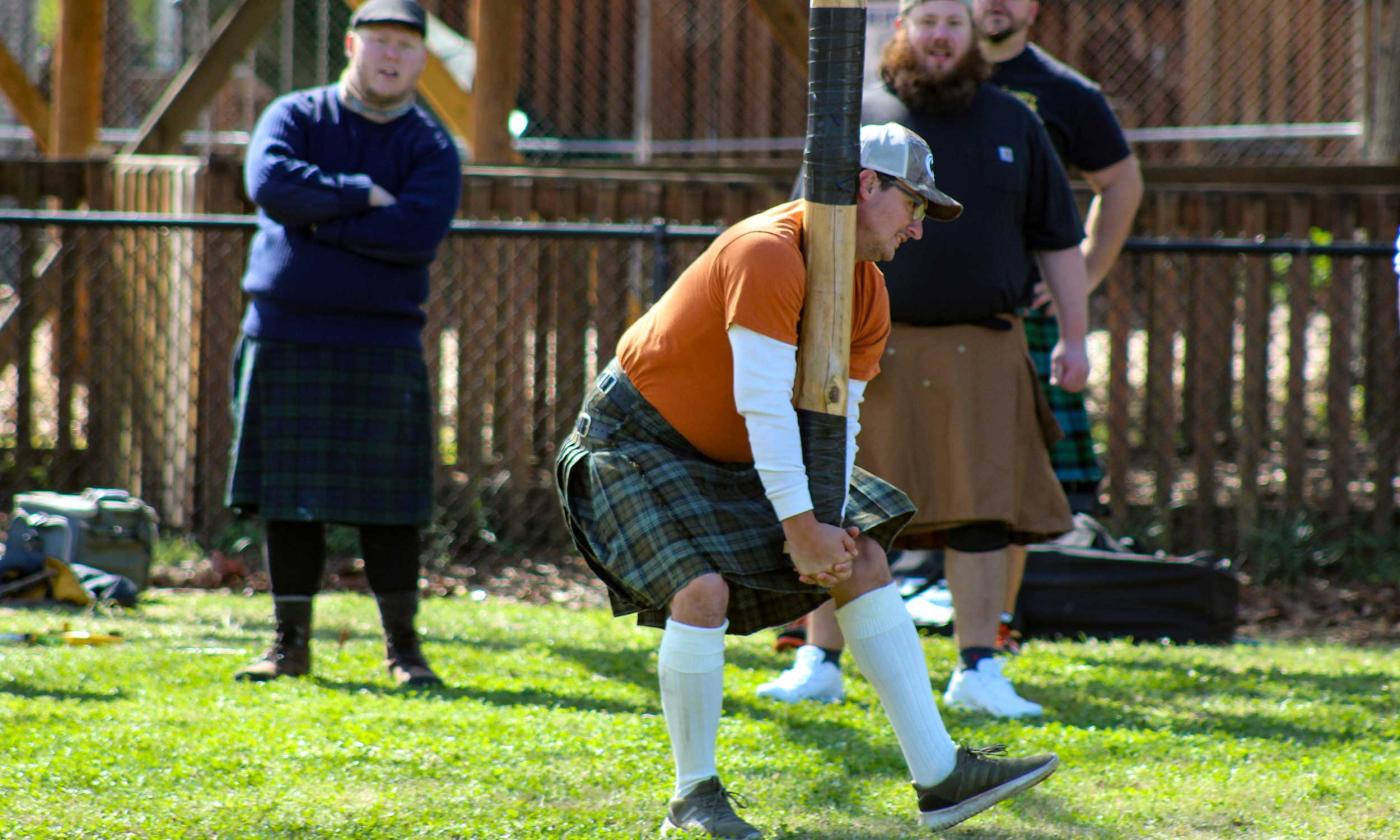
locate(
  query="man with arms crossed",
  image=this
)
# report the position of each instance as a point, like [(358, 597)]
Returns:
[(355, 187)]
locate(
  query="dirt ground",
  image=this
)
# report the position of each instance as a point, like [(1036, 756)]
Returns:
[(1321, 610)]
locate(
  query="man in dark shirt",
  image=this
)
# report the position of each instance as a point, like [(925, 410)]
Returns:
[(355, 187), (1088, 138), (956, 418)]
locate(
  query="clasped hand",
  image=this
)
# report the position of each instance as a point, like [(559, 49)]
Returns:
[(822, 554)]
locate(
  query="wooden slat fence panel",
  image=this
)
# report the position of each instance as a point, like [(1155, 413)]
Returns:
[(1221, 419)]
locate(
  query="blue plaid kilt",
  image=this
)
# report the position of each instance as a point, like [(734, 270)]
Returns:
[(1073, 457), (650, 513), (331, 434)]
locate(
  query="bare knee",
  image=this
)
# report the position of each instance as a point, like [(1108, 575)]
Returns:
[(704, 602), (870, 571)]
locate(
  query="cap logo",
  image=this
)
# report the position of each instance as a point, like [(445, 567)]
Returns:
[(928, 166)]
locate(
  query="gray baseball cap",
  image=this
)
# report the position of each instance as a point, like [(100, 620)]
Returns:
[(895, 150), (402, 12)]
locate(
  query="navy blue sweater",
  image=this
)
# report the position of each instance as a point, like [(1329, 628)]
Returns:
[(325, 267)]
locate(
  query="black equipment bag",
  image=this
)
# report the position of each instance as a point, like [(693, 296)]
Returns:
[(1070, 592)]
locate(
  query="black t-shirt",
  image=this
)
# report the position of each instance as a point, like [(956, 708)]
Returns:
[(997, 160), (1076, 115)]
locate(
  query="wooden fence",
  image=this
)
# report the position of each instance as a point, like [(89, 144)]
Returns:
[(1245, 390), (1231, 390)]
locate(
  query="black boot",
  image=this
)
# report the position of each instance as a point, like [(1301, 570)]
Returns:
[(290, 654), (402, 652)]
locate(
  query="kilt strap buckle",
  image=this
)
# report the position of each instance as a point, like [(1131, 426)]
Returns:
[(607, 381), (583, 423)]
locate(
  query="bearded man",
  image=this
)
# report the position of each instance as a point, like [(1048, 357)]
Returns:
[(958, 420), (1089, 139)]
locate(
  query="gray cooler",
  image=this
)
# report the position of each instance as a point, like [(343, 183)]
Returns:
[(106, 529)]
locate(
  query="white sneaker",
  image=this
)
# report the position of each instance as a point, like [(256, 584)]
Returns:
[(986, 690), (811, 677)]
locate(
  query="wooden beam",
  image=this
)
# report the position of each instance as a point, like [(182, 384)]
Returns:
[(454, 106), (202, 76), (30, 105), (496, 31), (788, 23), (78, 72)]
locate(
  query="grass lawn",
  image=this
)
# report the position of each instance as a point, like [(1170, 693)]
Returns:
[(552, 729)]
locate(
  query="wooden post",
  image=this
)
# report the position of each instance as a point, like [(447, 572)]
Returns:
[(1254, 379), (202, 76), (496, 31), (789, 27), (1299, 310), (77, 101), (1383, 61), (832, 160)]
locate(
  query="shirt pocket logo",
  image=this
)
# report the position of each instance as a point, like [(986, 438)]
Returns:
[(1005, 154)]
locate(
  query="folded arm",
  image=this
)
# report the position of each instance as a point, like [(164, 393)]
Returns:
[(410, 229), (290, 189)]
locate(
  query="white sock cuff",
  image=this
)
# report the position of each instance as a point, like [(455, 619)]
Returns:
[(873, 613), (691, 650)]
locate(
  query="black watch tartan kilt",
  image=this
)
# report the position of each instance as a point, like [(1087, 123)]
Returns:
[(1072, 456), (331, 434), (650, 513)]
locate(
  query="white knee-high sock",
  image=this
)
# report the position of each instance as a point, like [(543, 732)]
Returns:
[(690, 666), (882, 640)]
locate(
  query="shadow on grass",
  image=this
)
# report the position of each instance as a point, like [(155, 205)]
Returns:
[(496, 697), (33, 693), (1363, 687), (329, 633), (839, 741), (1119, 703)]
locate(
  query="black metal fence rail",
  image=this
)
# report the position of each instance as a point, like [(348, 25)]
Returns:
[(1239, 382)]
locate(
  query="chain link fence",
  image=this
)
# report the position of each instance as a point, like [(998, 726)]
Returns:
[(117, 333), (1194, 81), (1243, 389)]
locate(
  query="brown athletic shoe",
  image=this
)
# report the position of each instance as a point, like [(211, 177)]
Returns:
[(707, 808), (792, 636), (978, 782)]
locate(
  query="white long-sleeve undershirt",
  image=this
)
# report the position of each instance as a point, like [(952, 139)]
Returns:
[(765, 371)]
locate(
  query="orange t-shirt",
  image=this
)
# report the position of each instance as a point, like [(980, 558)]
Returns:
[(753, 275)]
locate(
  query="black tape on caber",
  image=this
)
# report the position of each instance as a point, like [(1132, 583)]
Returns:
[(824, 455), (835, 68)]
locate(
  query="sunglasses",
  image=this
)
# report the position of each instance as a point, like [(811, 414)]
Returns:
[(920, 203)]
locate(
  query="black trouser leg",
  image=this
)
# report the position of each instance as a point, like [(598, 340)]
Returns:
[(391, 557), (391, 564), (296, 557)]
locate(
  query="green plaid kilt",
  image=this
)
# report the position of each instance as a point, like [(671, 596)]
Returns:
[(650, 513), (331, 434), (1073, 457)]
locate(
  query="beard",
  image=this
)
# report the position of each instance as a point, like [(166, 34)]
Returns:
[(999, 37), (942, 96), (1013, 27)]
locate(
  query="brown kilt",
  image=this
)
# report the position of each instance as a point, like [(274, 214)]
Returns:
[(957, 420)]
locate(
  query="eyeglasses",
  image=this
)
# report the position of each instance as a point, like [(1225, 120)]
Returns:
[(920, 203)]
